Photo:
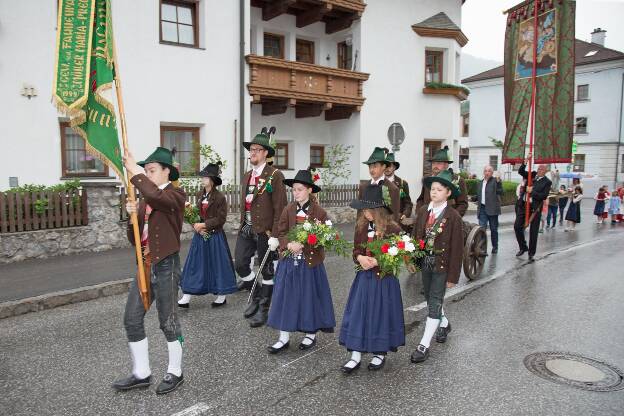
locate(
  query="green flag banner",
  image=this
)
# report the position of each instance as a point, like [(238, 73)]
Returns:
[(554, 100), (93, 116)]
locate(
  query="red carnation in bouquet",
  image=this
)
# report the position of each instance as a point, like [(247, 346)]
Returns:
[(312, 239), (421, 244), (384, 248), (401, 245)]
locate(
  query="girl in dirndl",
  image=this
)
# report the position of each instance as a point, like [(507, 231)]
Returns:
[(373, 317), (209, 267), (573, 215), (302, 300)]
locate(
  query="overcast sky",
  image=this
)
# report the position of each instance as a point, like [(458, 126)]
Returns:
[(484, 24)]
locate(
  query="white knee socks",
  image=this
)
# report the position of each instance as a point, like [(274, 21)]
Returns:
[(248, 278), (186, 298), (430, 329), (220, 299), (267, 282), (356, 356), (175, 358), (140, 358), (308, 339), (284, 337), (443, 322)]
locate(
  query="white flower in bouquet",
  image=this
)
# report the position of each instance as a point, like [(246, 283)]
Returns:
[(406, 238), (410, 247), (328, 223), (307, 226), (393, 251)]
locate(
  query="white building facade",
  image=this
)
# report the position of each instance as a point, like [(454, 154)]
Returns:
[(599, 89), (323, 73)]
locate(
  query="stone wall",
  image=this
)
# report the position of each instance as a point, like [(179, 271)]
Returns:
[(104, 231)]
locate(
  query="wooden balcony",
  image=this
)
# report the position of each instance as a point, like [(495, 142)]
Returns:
[(277, 84), (337, 14)]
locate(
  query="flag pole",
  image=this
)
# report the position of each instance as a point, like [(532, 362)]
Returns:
[(142, 282), (527, 212)]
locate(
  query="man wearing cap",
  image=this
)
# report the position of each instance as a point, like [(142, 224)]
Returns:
[(406, 201), (377, 165), (160, 216), (263, 197), (439, 162)]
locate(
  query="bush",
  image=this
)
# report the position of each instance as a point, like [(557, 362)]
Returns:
[(509, 190)]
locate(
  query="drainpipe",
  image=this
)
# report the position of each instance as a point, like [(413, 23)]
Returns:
[(243, 103), (617, 153)]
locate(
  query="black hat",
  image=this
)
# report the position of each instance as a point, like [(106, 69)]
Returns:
[(372, 198), (164, 157), (263, 139), (212, 171), (304, 177)]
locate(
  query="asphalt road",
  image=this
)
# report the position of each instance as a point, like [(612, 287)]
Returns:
[(62, 361)]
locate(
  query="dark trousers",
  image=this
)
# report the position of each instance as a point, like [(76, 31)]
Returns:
[(434, 287), (246, 246), (552, 214), (164, 279), (484, 219), (561, 209), (534, 227)]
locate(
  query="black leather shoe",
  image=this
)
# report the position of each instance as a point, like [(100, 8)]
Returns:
[(132, 383), (273, 350), (521, 252), (169, 383), (375, 367), (184, 305), (494, 250), (218, 304), (531, 259), (420, 354), (304, 347), (245, 285), (349, 370), (442, 333)]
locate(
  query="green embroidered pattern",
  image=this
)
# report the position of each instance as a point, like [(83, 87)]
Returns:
[(386, 195)]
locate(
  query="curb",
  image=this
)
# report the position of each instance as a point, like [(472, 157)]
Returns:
[(64, 297)]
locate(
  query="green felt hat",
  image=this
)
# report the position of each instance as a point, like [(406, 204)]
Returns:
[(445, 177), (263, 139), (380, 154), (441, 156), (165, 157), (390, 158)]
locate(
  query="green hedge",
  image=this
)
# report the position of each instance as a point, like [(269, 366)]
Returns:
[(509, 190)]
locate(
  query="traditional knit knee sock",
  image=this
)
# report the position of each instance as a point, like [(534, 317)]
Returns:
[(284, 337), (377, 359), (220, 299), (356, 356), (443, 322), (248, 278), (267, 282), (140, 358), (186, 298), (308, 339), (175, 358), (430, 329)]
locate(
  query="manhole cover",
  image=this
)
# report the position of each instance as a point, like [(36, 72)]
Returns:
[(575, 370)]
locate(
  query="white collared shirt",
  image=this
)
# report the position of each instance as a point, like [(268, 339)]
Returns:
[(163, 186), (437, 210), (257, 171), (376, 181), (390, 178), (485, 182)]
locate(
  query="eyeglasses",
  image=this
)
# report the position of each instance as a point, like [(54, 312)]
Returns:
[(256, 150)]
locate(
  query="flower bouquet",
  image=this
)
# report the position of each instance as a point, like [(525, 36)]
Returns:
[(315, 233), (394, 252), (191, 216)]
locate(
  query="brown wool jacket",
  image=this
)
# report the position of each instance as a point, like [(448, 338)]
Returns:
[(361, 237), (449, 243), (395, 200), (216, 213), (288, 220), (460, 204), (165, 221), (406, 201), (266, 206)]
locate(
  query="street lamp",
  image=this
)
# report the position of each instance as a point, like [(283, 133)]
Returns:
[(396, 136)]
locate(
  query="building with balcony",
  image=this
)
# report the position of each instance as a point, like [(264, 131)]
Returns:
[(324, 72)]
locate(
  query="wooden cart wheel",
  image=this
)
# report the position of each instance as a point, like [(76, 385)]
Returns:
[(475, 252)]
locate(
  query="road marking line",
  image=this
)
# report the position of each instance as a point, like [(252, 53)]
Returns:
[(195, 410), (475, 284), (304, 356)]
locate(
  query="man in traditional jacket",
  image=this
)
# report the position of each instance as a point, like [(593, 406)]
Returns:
[(263, 197), (404, 196)]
